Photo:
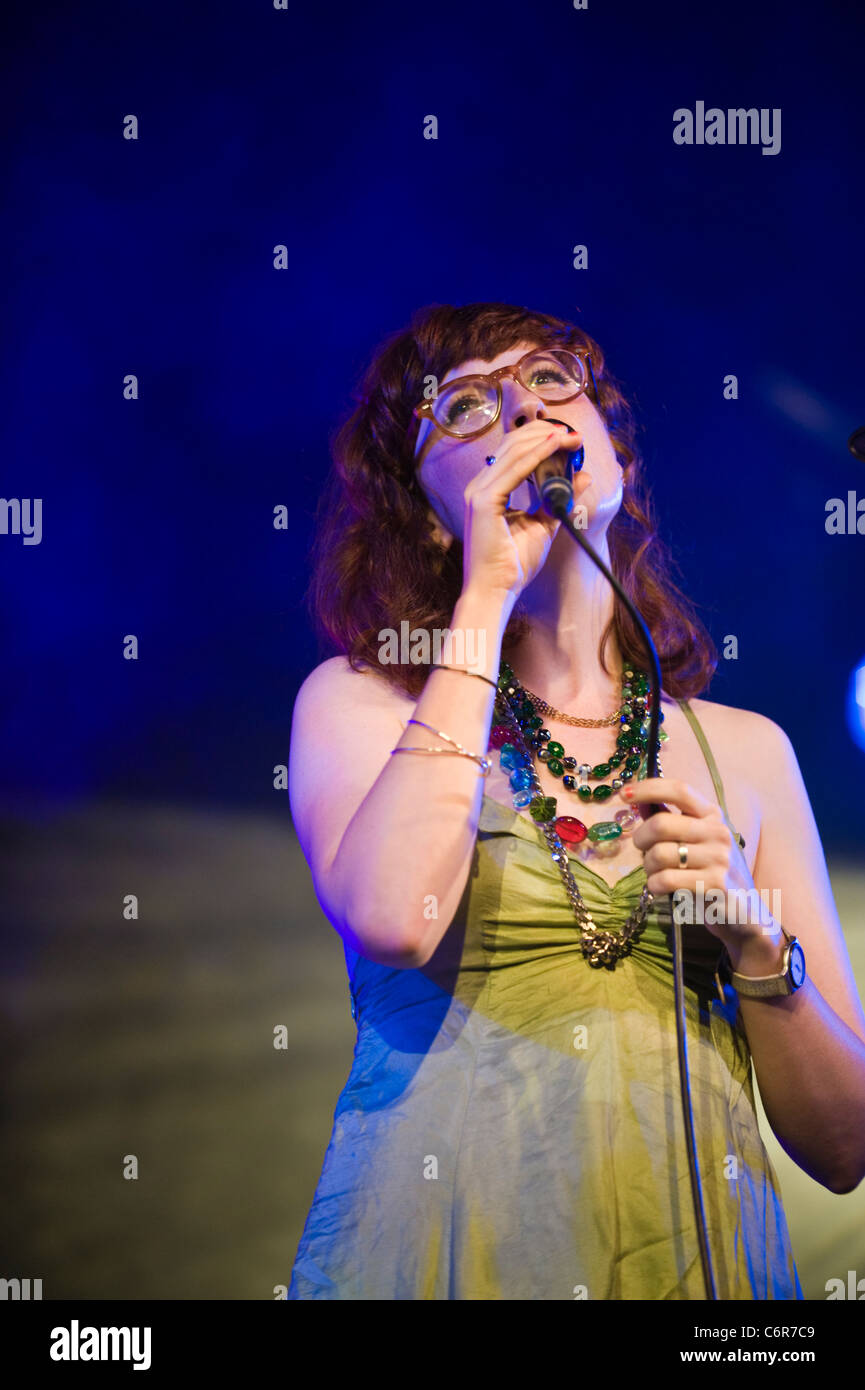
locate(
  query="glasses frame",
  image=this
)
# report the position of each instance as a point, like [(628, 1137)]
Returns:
[(424, 411)]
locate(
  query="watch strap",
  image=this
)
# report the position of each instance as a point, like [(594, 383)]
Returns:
[(765, 986)]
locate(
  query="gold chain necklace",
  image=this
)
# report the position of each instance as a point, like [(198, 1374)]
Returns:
[(551, 712)]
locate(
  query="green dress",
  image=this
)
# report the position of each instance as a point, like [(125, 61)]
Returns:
[(511, 1126)]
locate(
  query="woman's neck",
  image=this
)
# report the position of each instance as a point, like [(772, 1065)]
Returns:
[(569, 604)]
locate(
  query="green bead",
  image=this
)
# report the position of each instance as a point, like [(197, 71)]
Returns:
[(543, 808), (555, 766), (614, 762), (535, 722), (605, 830), (602, 770), (633, 762), (625, 739), (555, 750), (601, 793), (584, 793)]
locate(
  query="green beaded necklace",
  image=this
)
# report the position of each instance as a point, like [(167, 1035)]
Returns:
[(629, 755), (630, 742), (600, 948)]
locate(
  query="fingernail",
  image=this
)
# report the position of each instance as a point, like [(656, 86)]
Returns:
[(627, 793)]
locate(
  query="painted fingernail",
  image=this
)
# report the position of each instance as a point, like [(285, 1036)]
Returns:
[(627, 793)]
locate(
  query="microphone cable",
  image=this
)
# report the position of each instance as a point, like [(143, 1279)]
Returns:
[(557, 497)]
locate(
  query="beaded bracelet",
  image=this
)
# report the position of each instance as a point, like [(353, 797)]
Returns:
[(485, 764), (440, 667)]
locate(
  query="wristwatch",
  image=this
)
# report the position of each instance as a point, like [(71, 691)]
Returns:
[(790, 977)]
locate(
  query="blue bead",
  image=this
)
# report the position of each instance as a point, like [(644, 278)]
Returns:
[(520, 779), (522, 799), (508, 756)]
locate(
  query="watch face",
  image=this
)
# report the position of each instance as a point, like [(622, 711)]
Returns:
[(797, 965)]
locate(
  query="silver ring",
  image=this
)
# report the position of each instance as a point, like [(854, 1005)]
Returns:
[(683, 856)]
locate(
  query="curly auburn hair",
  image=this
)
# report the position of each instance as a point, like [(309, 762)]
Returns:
[(375, 560)]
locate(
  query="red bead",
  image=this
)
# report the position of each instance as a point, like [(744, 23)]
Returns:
[(499, 734), (570, 830)]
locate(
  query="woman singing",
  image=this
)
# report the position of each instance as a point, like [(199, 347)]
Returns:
[(511, 1127)]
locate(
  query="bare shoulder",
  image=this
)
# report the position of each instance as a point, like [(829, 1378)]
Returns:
[(344, 724), (755, 760), (338, 683), (742, 736)]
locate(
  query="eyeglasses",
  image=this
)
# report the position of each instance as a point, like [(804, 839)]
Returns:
[(470, 405)]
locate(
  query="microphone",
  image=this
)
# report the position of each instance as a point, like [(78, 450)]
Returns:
[(551, 483)]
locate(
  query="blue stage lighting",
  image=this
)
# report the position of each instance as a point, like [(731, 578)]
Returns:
[(856, 704)]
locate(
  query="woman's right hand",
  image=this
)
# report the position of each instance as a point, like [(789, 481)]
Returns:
[(503, 554)]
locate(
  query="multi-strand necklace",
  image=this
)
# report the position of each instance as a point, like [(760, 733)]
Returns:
[(522, 734)]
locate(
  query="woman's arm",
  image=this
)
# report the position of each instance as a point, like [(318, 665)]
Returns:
[(381, 834), (808, 1048)]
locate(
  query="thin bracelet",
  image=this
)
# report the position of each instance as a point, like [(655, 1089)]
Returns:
[(440, 667), (483, 763)]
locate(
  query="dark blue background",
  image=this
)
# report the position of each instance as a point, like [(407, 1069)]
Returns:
[(305, 127)]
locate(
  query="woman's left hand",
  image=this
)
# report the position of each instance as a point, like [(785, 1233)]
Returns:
[(714, 859)]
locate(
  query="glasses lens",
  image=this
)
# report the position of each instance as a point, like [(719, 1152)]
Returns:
[(466, 408), (554, 374)]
